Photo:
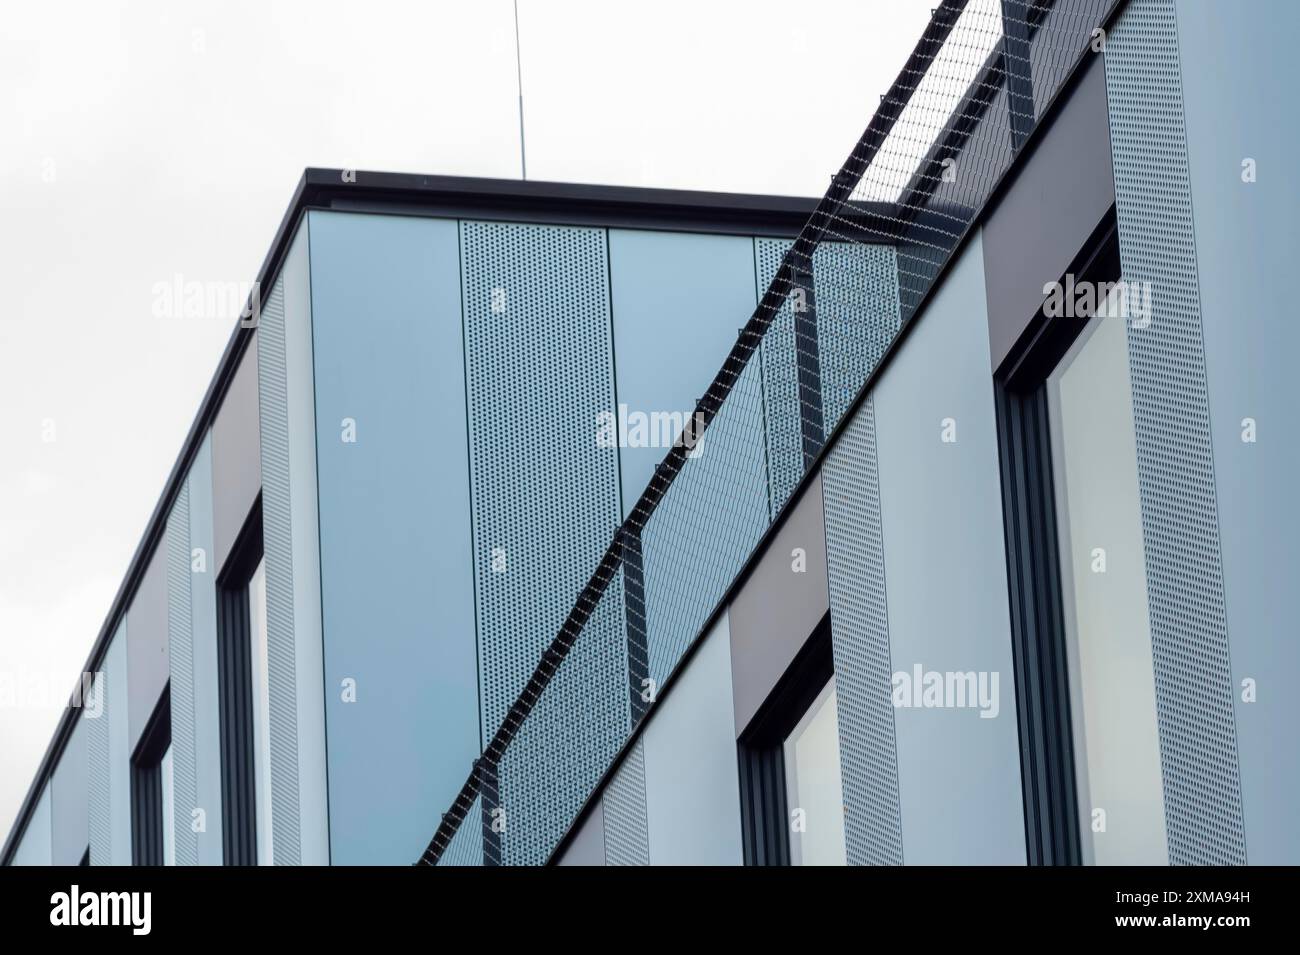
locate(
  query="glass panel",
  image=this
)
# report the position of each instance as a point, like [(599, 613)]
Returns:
[(168, 809), (1103, 571), (261, 712), (814, 793)]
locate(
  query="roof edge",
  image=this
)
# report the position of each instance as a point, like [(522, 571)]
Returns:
[(324, 188)]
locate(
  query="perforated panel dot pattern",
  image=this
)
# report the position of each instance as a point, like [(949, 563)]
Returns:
[(277, 539), (780, 375), (180, 637), (627, 830), (857, 318), (99, 795), (545, 497), (1175, 468), (466, 847), (855, 565), (558, 757), (856, 303)]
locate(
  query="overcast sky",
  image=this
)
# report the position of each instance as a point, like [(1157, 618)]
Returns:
[(145, 140)]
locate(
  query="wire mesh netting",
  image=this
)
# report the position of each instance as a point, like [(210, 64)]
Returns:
[(983, 73)]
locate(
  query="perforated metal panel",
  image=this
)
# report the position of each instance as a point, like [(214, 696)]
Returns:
[(466, 847), (1171, 414), (857, 318), (780, 374), (707, 524), (627, 832), (855, 566), (555, 761), (278, 555), (545, 497), (855, 299), (180, 637), (98, 776)]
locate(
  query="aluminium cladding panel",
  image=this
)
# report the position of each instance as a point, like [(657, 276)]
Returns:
[(69, 806), (860, 640), (109, 759), (545, 496), (1171, 410), (147, 665), (291, 546), (692, 781), (396, 568), (466, 846), (587, 846), (192, 635), (236, 456), (569, 739), (856, 304), (180, 636), (678, 302), (1245, 246), (402, 697), (945, 575), (1057, 198), (625, 828), (203, 656), (35, 847), (782, 601), (778, 357)]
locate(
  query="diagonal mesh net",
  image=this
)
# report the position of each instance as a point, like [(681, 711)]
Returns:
[(983, 73)]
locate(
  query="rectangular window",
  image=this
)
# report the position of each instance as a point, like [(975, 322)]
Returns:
[(244, 699), (261, 713), (168, 808), (792, 800), (1104, 586), (1085, 684), (813, 788), (151, 817)]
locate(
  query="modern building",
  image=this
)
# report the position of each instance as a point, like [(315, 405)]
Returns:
[(945, 520)]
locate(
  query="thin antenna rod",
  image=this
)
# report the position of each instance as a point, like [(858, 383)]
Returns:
[(519, 73)]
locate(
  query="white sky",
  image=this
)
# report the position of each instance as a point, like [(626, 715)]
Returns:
[(143, 140)]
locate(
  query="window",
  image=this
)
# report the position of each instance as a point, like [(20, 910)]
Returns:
[(168, 808), (1085, 686), (245, 699), (1104, 586), (792, 802), (261, 713), (151, 816), (812, 785)]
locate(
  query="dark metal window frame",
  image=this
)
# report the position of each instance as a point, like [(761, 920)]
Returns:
[(1034, 570), (764, 815), (147, 820), (235, 683)]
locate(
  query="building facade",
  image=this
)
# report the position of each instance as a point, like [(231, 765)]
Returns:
[(946, 520)]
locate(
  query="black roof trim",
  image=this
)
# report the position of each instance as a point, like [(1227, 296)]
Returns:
[(411, 193)]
